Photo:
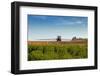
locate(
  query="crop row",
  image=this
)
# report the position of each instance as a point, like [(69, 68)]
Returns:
[(51, 52)]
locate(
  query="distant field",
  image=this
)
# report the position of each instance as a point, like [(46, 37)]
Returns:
[(51, 50)]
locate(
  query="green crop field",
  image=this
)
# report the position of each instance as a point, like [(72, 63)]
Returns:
[(56, 50)]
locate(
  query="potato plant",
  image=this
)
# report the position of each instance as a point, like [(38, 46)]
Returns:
[(56, 51)]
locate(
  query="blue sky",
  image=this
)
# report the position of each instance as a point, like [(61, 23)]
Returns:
[(49, 27)]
